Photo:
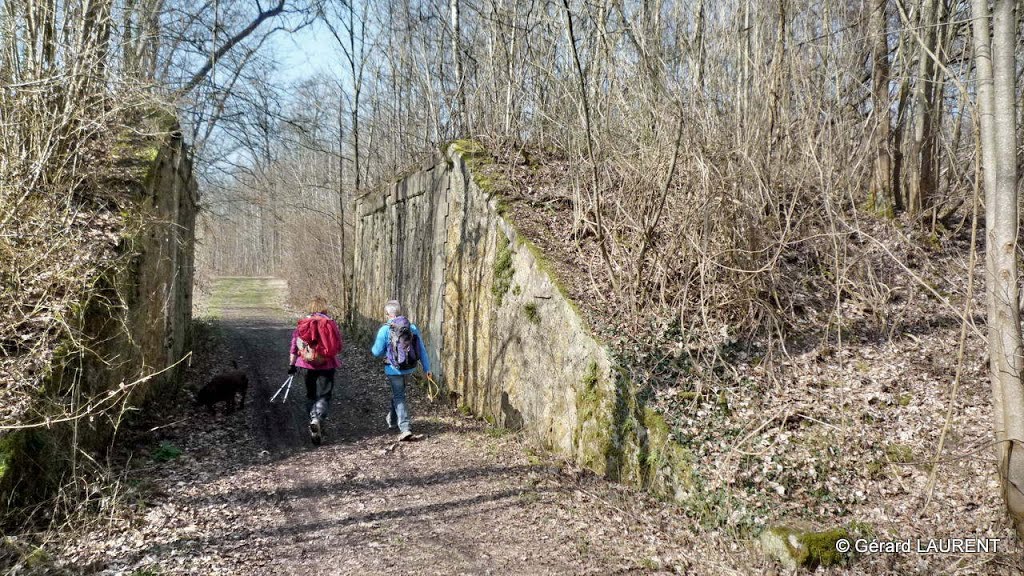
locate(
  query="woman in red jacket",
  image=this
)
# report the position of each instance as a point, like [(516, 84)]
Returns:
[(316, 343)]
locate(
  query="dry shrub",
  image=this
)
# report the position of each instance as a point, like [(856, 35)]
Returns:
[(69, 171), (757, 245)]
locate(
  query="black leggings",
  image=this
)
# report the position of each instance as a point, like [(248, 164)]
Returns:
[(319, 387)]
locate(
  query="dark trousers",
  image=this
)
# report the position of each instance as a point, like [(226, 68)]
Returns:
[(319, 387)]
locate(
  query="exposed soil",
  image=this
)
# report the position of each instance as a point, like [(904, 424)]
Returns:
[(251, 495)]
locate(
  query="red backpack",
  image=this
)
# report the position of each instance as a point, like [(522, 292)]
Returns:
[(317, 339)]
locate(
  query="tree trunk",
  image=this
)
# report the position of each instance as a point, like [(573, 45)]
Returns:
[(129, 37), (898, 139), (994, 59), (743, 88), (357, 85), (341, 199), (880, 198), (699, 45), (8, 42), (921, 177), (460, 90)]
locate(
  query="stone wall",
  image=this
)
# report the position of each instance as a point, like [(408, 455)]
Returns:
[(155, 289), (399, 254), (135, 322), (512, 346), (161, 284)]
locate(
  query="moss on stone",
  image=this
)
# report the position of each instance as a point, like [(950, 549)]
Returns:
[(137, 157), (657, 428), (795, 548), (28, 465), (821, 546), (531, 313), (658, 443), (546, 267), (503, 270), (593, 437), (468, 148), (626, 452), (477, 158), (590, 376), (127, 149), (162, 120), (502, 207), (615, 434)]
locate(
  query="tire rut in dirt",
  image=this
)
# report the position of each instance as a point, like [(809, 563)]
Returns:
[(259, 339)]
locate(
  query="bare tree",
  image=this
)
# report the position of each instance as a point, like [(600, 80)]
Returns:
[(354, 31), (200, 74), (460, 81), (923, 167), (994, 51), (880, 196)]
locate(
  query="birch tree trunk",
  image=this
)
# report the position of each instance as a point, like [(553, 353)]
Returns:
[(460, 89), (994, 60)]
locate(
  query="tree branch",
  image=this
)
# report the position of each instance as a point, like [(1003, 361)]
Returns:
[(200, 74)]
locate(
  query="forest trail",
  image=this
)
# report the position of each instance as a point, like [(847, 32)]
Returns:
[(252, 495)]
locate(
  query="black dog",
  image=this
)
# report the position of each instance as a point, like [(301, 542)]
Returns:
[(222, 388)]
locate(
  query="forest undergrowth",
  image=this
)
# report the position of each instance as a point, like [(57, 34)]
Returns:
[(827, 372)]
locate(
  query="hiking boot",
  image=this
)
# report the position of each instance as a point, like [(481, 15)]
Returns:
[(404, 436), (391, 424), (314, 431)]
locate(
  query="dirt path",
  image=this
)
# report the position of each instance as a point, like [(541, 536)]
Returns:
[(251, 495)]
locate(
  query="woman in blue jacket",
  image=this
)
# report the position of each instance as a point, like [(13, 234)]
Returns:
[(400, 364)]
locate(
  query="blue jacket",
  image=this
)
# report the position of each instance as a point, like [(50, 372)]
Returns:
[(380, 348)]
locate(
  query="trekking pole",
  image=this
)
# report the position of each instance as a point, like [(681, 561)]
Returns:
[(287, 387)]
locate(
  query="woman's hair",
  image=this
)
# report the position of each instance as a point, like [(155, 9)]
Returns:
[(317, 304), (392, 307)]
